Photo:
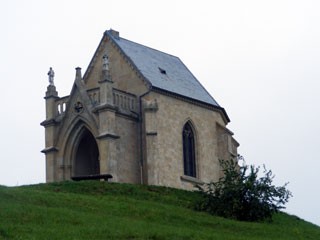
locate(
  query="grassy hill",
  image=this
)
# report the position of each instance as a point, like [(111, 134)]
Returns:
[(99, 210)]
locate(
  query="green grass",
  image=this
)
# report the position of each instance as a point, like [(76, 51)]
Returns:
[(99, 210)]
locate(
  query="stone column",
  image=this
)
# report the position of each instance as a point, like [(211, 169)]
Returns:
[(50, 125), (107, 127), (151, 168)]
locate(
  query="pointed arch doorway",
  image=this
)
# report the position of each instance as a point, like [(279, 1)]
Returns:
[(86, 156)]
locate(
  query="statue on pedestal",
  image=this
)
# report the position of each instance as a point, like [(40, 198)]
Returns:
[(51, 76), (105, 60)]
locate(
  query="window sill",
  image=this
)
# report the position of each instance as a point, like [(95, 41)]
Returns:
[(191, 179)]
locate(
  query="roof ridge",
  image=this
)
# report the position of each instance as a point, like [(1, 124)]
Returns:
[(154, 49)]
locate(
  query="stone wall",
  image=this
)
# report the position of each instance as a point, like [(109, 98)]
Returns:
[(164, 153), (128, 151)]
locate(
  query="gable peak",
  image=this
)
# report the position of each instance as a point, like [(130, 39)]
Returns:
[(113, 33)]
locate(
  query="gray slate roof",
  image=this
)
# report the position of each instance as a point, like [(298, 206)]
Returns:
[(163, 71)]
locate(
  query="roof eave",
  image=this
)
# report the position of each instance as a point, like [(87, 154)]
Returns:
[(223, 112)]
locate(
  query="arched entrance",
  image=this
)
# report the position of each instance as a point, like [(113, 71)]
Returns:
[(86, 157)]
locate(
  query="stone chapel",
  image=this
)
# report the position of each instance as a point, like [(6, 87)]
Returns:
[(138, 114)]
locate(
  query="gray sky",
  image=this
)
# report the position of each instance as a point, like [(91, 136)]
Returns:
[(258, 59)]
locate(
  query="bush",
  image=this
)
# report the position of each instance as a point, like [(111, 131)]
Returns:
[(240, 194)]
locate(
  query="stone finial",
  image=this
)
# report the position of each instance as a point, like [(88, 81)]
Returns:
[(78, 73), (51, 76)]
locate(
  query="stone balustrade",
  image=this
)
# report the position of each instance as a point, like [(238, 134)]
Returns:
[(124, 101)]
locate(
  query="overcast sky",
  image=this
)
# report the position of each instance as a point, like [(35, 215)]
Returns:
[(258, 59)]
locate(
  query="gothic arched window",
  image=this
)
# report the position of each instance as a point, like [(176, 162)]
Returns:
[(189, 156)]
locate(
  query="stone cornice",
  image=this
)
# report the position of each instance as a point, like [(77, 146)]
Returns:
[(49, 149), (49, 122), (108, 135), (51, 92), (51, 96), (132, 115), (104, 107)]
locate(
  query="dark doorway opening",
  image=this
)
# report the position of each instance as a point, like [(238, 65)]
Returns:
[(87, 156)]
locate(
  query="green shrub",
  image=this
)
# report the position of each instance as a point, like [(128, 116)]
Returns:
[(241, 194)]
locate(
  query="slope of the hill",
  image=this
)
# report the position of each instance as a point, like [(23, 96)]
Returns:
[(99, 210)]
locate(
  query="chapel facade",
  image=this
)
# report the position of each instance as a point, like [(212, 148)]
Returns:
[(138, 114)]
